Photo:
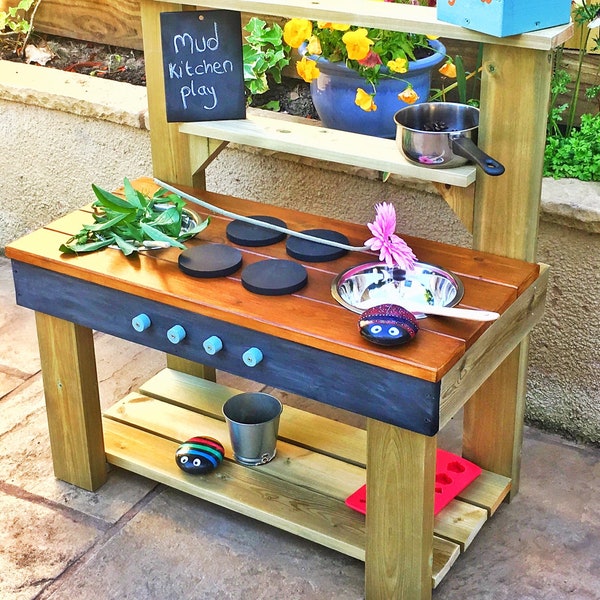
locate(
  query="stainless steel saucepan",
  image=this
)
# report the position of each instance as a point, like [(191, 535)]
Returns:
[(442, 135)]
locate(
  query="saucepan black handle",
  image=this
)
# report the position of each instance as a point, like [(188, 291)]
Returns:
[(466, 147)]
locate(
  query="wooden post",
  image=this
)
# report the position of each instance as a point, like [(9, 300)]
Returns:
[(514, 98), (175, 158), (183, 365), (400, 496), (72, 401), (513, 124)]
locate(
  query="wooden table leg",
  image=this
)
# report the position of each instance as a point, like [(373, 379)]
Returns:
[(72, 401), (400, 491), (190, 367), (493, 418)]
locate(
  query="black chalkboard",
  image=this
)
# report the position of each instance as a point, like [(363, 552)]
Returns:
[(203, 65)]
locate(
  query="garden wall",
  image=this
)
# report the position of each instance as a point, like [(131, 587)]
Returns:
[(62, 132)]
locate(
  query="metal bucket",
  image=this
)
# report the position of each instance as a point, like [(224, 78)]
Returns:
[(253, 422)]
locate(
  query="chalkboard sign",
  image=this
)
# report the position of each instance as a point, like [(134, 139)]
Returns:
[(203, 65)]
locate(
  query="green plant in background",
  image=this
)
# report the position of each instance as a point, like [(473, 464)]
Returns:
[(14, 19), (265, 55), (135, 222), (583, 13), (17, 21), (577, 155), (558, 87), (573, 151)]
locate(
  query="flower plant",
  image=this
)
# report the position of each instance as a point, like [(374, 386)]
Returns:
[(264, 54), (371, 52), (393, 250)]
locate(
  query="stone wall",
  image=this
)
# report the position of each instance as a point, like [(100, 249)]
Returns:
[(66, 132)]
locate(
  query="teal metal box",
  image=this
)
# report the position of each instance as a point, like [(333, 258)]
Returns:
[(504, 17)]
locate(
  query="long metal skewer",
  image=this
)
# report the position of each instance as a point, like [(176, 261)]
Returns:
[(232, 215)]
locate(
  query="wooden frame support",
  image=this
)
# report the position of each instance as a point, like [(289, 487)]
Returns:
[(506, 215), (400, 496), (174, 157), (512, 127), (72, 401)]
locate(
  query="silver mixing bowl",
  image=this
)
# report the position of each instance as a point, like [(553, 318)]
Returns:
[(373, 283)]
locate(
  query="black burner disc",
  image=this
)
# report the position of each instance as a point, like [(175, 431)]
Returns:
[(308, 251), (274, 277), (248, 234), (210, 260)]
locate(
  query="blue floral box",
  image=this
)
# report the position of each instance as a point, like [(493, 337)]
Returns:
[(504, 17)]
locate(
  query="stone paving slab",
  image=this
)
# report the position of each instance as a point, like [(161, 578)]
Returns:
[(26, 464), (37, 543), (19, 357), (180, 547), (545, 545)]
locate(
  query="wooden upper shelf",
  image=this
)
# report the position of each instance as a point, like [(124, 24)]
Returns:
[(395, 17), (263, 130)]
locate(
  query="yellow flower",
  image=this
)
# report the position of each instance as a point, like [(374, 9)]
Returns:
[(314, 45), (399, 65), (433, 37), (408, 95), (448, 69), (365, 100), (332, 26), (307, 69), (357, 43), (296, 32)]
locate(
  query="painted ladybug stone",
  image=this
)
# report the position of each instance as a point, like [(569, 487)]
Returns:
[(199, 455), (388, 325)]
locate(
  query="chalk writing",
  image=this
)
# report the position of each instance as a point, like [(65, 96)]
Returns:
[(203, 66)]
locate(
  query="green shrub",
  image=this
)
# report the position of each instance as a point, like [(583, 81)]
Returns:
[(577, 155)]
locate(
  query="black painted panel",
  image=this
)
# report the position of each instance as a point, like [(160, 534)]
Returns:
[(365, 389)]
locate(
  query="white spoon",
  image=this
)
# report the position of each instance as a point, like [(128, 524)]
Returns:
[(440, 311)]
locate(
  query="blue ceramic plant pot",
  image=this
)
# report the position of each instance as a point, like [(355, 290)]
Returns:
[(334, 91)]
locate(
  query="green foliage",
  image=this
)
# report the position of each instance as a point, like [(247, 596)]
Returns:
[(265, 54), (13, 20), (562, 83), (558, 86), (577, 155), (571, 151), (134, 222)]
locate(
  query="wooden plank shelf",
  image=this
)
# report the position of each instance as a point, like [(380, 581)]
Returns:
[(302, 491), (304, 138), (394, 17)]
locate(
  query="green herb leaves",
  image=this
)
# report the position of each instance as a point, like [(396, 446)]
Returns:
[(136, 222)]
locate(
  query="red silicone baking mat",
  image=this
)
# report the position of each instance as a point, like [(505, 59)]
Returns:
[(452, 475)]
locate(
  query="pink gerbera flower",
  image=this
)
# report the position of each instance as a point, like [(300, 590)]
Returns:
[(393, 250)]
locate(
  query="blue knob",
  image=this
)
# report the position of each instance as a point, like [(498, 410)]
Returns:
[(141, 322), (176, 334), (252, 357), (212, 345)]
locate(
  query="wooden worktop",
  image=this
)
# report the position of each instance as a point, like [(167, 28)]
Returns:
[(311, 316)]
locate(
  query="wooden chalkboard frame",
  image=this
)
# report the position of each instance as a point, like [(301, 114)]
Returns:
[(203, 65)]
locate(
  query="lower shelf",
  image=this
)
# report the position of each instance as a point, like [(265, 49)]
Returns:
[(302, 491)]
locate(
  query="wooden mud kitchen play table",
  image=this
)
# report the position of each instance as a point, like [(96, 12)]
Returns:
[(309, 343), (310, 346)]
